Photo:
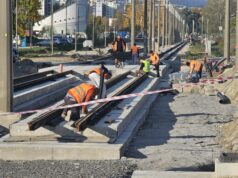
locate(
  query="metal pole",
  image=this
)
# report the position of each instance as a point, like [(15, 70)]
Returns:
[(66, 21), (153, 25), (94, 14), (105, 35), (207, 28), (52, 28), (202, 25), (145, 29), (173, 24), (169, 25), (158, 37), (75, 40), (6, 56), (183, 29), (16, 23), (193, 26), (227, 31), (133, 19), (166, 24), (236, 62), (76, 22), (150, 25), (163, 36)]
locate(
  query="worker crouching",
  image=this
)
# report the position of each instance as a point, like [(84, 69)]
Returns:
[(144, 67), (195, 72), (79, 94)]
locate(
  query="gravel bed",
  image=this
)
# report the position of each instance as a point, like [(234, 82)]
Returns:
[(81, 169)]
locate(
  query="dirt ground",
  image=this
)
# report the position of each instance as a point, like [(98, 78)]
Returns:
[(181, 133)]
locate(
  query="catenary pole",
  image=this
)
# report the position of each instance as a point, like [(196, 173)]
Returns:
[(227, 31), (145, 29), (6, 56), (133, 19)]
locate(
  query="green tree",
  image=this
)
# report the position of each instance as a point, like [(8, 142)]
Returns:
[(215, 12), (99, 24), (28, 14)]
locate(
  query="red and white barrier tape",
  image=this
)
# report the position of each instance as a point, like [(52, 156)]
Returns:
[(90, 102), (202, 82), (206, 81)]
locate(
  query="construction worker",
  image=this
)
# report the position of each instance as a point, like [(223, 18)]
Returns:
[(154, 58), (95, 74), (135, 53), (195, 69), (79, 94), (118, 48), (144, 67)]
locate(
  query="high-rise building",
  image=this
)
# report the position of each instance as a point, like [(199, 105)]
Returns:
[(104, 8), (121, 5), (70, 19), (45, 7)]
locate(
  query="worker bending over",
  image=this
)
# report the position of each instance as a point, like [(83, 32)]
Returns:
[(144, 67), (79, 94), (95, 74), (154, 58), (195, 69)]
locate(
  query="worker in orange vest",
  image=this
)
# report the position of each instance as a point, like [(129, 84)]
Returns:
[(95, 74), (135, 53), (155, 61), (79, 94), (195, 69)]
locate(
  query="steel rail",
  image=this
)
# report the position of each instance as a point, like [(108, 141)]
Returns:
[(26, 78), (100, 110), (46, 117), (40, 80)]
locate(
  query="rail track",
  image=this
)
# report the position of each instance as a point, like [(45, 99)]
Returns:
[(51, 115), (24, 82), (100, 110)]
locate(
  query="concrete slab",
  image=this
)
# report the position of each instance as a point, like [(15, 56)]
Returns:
[(38, 96), (123, 115), (55, 150), (226, 169), (171, 174), (20, 129)]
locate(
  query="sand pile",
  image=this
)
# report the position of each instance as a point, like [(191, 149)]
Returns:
[(229, 88)]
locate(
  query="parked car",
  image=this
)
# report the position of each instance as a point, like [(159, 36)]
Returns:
[(88, 44), (61, 41), (45, 42)]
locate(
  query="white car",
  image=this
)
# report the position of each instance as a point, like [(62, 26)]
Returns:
[(88, 44)]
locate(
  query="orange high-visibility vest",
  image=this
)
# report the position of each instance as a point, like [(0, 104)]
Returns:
[(195, 65), (154, 58), (134, 49), (80, 92)]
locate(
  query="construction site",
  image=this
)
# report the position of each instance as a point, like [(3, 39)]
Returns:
[(162, 119)]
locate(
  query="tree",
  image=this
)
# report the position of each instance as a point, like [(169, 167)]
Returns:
[(28, 14), (99, 25), (215, 12)]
